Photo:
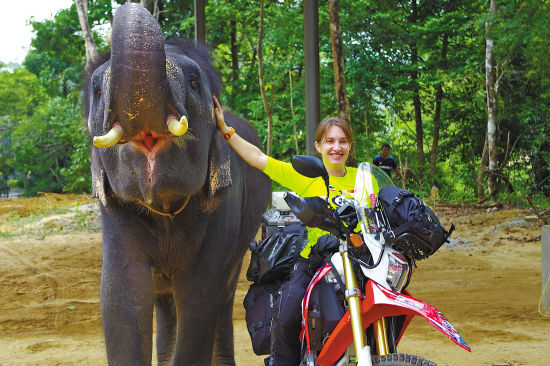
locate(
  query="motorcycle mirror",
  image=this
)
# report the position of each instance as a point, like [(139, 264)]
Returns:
[(311, 167)]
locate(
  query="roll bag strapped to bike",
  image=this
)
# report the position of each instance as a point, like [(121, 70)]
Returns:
[(273, 258), (415, 228)]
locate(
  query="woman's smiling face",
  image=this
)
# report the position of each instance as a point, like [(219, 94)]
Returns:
[(334, 148)]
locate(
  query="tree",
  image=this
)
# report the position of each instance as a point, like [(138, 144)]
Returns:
[(338, 61), (491, 100), (267, 107), (20, 92), (437, 112), (338, 67), (57, 54), (43, 147), (414, 18), (281, 51), (292, 112), (91, 50), (404, 62), (519, 31)]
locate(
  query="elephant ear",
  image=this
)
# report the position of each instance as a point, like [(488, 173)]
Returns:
[(98, 179), (219, 165)]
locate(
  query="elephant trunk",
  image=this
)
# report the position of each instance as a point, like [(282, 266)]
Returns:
[(138, 83)]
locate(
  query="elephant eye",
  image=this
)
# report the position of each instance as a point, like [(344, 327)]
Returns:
[(194, 84), (97, 87)]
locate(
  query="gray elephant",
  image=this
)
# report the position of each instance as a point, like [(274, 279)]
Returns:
[(178, 206)]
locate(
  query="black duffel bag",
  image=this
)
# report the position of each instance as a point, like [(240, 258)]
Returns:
[(271, 263), (258, 305), (415, 228)]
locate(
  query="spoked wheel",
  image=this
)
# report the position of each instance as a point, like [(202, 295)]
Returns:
[(401, 359)]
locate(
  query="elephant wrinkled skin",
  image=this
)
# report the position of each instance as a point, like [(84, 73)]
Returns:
[(177, 212)]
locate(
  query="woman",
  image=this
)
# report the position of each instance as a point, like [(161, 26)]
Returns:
[(333, 141)]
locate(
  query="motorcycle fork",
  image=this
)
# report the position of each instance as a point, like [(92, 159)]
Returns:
[(381, 336), (353, 296)]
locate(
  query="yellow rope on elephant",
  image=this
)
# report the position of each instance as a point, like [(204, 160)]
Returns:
[(170, 215)]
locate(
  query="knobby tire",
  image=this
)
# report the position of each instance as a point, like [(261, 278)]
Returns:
[(401, 359)]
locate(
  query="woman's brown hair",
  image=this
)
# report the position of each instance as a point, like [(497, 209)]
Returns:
[(322, 130), (327, 123)]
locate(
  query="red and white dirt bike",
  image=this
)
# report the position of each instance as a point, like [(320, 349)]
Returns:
[(356, 309)]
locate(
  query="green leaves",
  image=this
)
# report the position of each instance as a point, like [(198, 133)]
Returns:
[(378, 38), (48, 149), (42, 144)]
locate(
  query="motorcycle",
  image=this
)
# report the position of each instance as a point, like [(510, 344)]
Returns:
[(356, 307)]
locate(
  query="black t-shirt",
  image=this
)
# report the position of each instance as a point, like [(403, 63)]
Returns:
[(386, 165)]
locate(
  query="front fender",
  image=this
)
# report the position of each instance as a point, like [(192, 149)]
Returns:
[(381, 302)]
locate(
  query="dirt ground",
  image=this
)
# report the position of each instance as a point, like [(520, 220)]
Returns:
[(487, 282)]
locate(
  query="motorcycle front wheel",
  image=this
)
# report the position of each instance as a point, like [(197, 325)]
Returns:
[(401, 359)]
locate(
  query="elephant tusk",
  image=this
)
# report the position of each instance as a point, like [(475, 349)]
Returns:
[(111, 138), (178, 128)]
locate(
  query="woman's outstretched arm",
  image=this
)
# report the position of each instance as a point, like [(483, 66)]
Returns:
[(248, 152)]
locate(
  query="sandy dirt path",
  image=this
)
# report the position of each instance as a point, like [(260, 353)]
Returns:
[(487, 282)]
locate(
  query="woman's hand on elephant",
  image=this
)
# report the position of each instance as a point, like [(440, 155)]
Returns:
[(218, 111), (247, 151)]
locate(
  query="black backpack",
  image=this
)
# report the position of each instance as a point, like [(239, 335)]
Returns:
[(415, 229)]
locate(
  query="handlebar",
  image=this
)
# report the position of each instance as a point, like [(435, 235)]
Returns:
[(315, 212)]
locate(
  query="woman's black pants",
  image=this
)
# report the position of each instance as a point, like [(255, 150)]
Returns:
[(287, 316)]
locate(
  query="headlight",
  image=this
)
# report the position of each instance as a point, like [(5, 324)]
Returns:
[(397, 273)]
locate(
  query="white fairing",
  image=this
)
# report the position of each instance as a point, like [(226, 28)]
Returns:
[(278, 201), (379, 273), (336, 260), (365, 198)]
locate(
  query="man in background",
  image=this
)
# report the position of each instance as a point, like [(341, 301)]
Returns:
[(386, 162)]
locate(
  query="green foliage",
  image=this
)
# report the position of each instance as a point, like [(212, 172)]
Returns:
[(48, 149), (42, 144), (524, 93), (20, 91), (57, 53), (379, 39)]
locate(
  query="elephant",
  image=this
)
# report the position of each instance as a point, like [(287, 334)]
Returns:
[(178, 206)]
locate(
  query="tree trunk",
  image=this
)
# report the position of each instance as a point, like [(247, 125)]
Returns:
[(91, 49), (482, 170), (416, 93), (152, 6), (261, 80), (491, 101), (338, 67), (338, 61), (234, 52), (156, 10), (292, 112), (366, 128), (437, 113)]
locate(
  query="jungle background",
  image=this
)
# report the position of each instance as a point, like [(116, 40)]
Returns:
[(435, 79), (431, 78)]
